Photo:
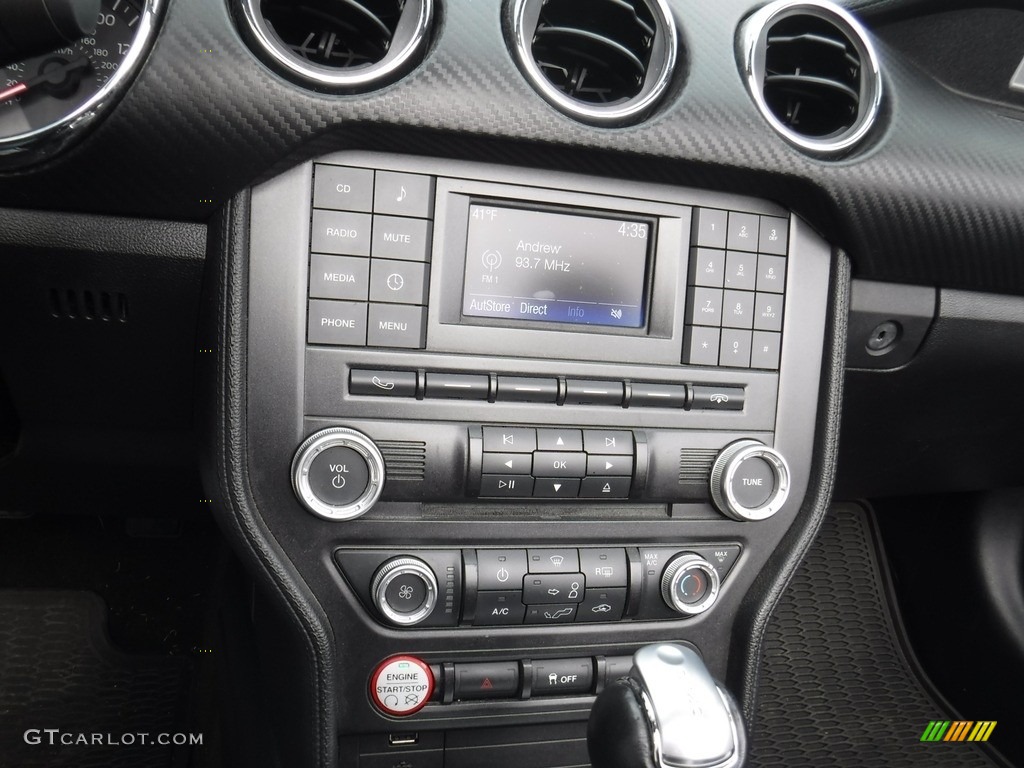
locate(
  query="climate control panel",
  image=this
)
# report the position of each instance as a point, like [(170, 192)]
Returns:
[(490, 587)]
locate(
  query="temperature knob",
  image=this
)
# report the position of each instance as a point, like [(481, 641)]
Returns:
[(338, 473), (404, 590), (689, 584), (749, 481)]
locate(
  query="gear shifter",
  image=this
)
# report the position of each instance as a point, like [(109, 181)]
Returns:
[(668, 713)]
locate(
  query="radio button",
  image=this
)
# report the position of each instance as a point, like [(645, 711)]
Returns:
[(771, 274), (559, 440), (507, 463), (717, 398), (337, 322), (462, 386), (498, 608), (738, 311), (586, 392), (704, 306), (710, 228), (544, 588), (553, 560), (646, 395), (735, 351), (506, 486), (551, 464), (398, 282), (556, 613), (343, 189), (768, 312), (395, 237), (701, 345), (608, 441), (743, 231), (522, 389), (507, 439), (609, 465), (741, 271), (556, 488), (602, 605), (396, 325), (500, 569), (774, 237), (382, 383), (404, 194), (603, 567), (605, 488), (766, 350), (707, 267), (347, 234)]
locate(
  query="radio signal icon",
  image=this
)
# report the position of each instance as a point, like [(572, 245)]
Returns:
[(492, 260)]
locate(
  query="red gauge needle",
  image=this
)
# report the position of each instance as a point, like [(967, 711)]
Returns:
[(54, 74)]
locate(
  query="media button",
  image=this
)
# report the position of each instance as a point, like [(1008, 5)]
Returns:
[(500, 569), (605, 488), (382, 383), (508, 439), (556, 488), (339, 277), (506, 486), (608, 441), (559, 440), (554, 464)]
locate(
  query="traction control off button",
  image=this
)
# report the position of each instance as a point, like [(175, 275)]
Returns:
[(401, 685)]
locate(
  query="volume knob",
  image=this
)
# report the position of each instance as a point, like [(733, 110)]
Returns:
[(338, 473), (749, 481)]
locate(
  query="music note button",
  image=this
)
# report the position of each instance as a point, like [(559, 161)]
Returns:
[(404, 194)]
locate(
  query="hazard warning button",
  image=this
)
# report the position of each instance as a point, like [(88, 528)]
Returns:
[(487, 681), (401, 685)]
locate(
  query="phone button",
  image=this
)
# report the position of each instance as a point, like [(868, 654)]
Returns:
[(382, 383), (717, 399)]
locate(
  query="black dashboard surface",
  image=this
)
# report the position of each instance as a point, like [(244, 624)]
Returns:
[(933, 197)]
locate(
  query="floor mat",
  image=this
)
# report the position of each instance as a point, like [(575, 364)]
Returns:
[(836, 688), (61, 681)]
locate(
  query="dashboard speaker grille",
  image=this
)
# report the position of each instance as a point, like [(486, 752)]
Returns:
[(403, 459), (602, 61), (695, 465), (339, 44), (813, 73)]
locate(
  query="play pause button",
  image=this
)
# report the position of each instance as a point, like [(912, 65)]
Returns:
[(556, 487), (507, 486)]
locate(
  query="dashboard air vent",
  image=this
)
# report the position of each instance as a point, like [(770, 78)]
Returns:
[(813, 73), (605, 62), (343, 45)]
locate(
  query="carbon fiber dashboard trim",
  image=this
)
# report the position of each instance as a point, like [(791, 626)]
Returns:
[(934, 199)]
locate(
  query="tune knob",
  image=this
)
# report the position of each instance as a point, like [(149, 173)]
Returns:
[(749, 481), (689, 584), (338, 473), (404, 590)]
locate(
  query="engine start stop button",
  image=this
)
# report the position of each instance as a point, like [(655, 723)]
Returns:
[(401, 685)]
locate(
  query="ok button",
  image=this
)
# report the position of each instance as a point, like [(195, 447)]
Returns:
[(559, 464), (338, 476)]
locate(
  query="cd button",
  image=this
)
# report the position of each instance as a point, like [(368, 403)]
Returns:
[(587, 392), (552, 464), (343, 189), (527, 390), (610, 465), (508, 439), (608, 441), (605, 488), (559, 440), (507, 463)]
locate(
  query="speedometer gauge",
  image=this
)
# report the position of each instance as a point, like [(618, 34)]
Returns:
[(46, 99)]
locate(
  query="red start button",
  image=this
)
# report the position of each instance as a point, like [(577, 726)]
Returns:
[(401, 685)]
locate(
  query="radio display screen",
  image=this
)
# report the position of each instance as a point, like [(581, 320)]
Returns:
[(555, 267)]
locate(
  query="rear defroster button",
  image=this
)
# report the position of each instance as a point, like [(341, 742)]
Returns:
[(401, 686)]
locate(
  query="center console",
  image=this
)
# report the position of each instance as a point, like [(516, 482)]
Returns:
[(506, 426)]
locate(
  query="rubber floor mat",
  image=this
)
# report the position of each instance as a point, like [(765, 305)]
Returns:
[(836, 688), (59, 673)]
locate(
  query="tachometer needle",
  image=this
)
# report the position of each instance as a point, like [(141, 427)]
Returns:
[(82, 62)]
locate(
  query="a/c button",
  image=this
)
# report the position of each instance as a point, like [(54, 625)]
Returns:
[(494, 608)]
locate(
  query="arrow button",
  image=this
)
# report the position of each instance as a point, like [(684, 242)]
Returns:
[(556, 488), (507, 463), (610, 465)]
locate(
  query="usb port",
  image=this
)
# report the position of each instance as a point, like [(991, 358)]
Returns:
[(403, 739)]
